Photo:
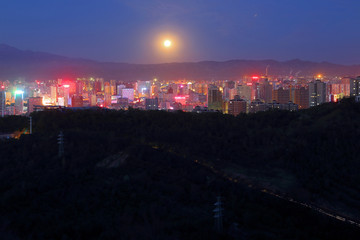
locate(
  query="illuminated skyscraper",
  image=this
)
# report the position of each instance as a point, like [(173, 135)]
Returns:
[(53, 94), (355, 86), (143, 88), (201, 88), (345, 85), (113, 87), (79, 88), (93, 101), (101, 84), (244, 92), (215, 100), (317, 93), (19, 102), (2, 103), (107, 94), (128, 93), (66, 95), (97, 86), (236, 106), (119, 89)]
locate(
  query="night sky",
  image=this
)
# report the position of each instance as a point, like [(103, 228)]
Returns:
[(128, 30)]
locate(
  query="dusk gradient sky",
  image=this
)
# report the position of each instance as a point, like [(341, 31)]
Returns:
[(125, 30)]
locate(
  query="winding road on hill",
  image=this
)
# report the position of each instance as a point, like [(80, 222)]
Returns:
[(238, 180)]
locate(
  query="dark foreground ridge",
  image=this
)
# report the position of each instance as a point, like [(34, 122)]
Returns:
[(156, 175)]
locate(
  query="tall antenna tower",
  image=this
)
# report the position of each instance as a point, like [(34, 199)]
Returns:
[(218, 215), (30, 125), (267, 70), (61, 147)]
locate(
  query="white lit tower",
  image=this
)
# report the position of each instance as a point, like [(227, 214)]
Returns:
[(218, 215), (19, 102)]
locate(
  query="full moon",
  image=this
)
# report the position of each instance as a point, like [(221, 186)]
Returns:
[(167, 43)]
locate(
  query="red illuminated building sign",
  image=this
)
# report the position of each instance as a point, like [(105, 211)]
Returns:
[(181, 99)]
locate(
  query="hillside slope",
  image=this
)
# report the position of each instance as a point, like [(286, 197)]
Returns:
[(156, 175)]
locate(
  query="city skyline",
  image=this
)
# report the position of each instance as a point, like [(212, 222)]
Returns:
[(128, 31), (167, 119)]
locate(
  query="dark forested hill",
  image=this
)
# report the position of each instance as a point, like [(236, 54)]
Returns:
[(156, 175), (15, 63)]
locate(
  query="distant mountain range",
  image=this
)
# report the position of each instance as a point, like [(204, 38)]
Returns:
[(15, 63)]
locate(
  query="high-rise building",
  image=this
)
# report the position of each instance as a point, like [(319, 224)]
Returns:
[(215, 100), (281, 95), (97, 86), (53, 94), (345, 85), (201, 88), (226, 93), (236, 106), (317, 93), (128, 93), (355, 86), (61, 101), (119, 89), (8, 97), (230, 84), (100, 84), (33, 102), (92, 99), (244, 91), (255, 90), (113, 89), (79, 87), (107, 94), (266, 91), (143, 88), (301, 97), (77, 101), (2, 103), (232, 93), (151, 104), (64, 92), (19, 102)]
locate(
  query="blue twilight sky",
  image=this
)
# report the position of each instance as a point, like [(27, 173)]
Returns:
[(127, 30)]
